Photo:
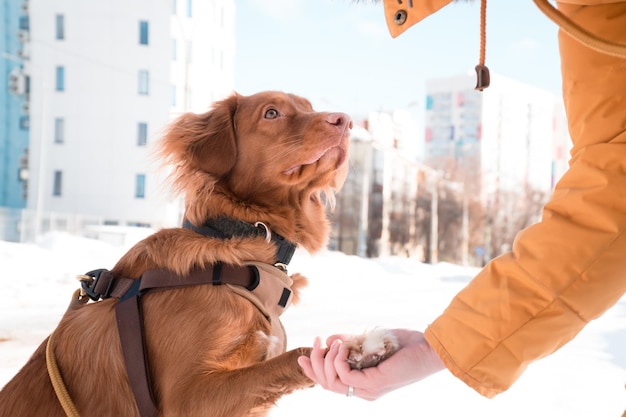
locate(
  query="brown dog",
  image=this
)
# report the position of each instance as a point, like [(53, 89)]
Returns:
[(211, 350)]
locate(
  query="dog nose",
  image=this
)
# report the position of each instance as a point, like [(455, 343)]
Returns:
[(339, 119)]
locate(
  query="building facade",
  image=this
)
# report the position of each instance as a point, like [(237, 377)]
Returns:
[(509, 136), (103, 80), (375, 212), (491, 159), (507, 145)]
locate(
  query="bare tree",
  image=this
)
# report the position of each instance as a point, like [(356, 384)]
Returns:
[(513, 212)]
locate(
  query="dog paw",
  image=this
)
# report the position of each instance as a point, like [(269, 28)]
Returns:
[(371, 348)]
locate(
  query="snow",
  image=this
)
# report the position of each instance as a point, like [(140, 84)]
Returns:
[(346, 294)]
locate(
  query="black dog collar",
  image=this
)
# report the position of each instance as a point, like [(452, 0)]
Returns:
[(226, 228)]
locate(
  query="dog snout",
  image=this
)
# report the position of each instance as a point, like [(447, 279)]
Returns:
[(339, 120)]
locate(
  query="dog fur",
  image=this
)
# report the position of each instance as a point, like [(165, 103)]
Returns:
[(266, 157), (371, 347)]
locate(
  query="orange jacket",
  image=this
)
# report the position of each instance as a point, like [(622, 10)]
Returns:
[(570, 267)]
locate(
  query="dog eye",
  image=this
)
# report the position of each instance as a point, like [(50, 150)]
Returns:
[(271, 114)]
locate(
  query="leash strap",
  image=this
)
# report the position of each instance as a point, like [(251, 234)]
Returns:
[(57, 381)]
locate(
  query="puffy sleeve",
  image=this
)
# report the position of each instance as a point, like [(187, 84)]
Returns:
[(571, 266)]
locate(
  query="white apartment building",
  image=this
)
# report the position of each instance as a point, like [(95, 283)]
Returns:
[(508, 137), (105, 78), (397, 129)]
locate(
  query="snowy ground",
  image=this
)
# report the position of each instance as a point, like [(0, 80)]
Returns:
[(346, 294)]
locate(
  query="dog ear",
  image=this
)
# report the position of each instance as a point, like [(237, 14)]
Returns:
[(205, 141)]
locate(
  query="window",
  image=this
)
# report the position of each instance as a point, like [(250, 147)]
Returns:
[(25, 122), (188, 49), (429, 102), (59, 130), (173, 92), (174, 47), (142, 134), (58, 183), (24, 23), (189, 8), (144, 82), (138, 224), (60, 78), (174, 6), (60, 27), (140, 186), (143, 32)]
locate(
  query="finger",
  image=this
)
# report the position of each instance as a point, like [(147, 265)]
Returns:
[(332, 338), (333, 357), (317, 363), (341, 365), (329, 368), (350, 377)]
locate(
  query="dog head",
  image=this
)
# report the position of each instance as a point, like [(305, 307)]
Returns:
[(266, 157)]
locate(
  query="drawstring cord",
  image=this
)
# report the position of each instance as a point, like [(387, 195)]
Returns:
[(483, 31), (568, 26), (581, 35), (482, 72)]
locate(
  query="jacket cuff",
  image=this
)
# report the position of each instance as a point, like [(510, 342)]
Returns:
[(486, 390)]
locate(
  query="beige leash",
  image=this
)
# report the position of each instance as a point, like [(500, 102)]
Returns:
[(53, 368), (57, 381)]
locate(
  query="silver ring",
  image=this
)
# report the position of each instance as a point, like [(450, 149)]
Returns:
[(268, 232), (350, 391)]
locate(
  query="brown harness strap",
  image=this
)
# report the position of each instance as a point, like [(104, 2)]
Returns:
[(107, 285), (273, 298), (130, 321), (130, 329)]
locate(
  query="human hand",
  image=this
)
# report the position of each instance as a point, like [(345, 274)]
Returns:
[(415, 360)]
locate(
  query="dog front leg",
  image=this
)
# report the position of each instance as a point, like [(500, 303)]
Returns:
[(243, 392)]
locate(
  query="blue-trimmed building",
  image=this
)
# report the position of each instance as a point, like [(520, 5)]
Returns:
[(14, 105), (14, 116)]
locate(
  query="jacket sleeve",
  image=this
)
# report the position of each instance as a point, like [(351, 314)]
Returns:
[(571, 266)]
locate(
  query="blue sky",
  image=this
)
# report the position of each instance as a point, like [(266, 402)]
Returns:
[(339, 54)]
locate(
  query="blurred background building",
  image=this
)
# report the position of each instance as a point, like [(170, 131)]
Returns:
[(88, 85), (511, 136), (480, 172), (376, 213), (507, 145), (14, 120)]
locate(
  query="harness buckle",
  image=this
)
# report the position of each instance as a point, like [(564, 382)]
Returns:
[(88, 283)]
